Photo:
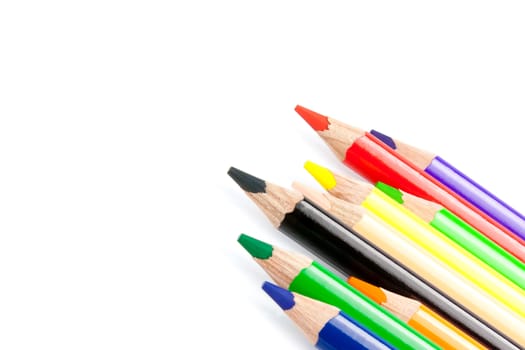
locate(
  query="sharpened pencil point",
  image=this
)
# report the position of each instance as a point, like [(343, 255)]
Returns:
[(281, 296), (392, 192), (257, 249), (247, 182), (317, 121), (387, 140), (324, 176)]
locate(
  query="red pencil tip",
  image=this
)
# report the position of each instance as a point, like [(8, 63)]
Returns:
[(317, 121)]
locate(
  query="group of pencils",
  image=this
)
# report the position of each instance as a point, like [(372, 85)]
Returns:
[(432, 259)]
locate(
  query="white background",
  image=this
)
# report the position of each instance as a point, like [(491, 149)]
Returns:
[(119, 120)]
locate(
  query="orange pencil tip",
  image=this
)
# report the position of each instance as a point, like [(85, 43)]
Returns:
[(371, 291), (317, 121)]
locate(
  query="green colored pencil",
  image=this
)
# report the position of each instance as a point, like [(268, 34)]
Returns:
[(307, 277), (462, 233)]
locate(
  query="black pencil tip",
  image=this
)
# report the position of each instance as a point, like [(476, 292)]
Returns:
[(247, 182)]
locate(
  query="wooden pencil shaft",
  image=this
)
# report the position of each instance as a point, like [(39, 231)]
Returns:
[(326, 326), (311, 315), (370, 157), (429, 323)]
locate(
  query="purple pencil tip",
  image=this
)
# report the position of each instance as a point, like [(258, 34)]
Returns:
[(387, 140)]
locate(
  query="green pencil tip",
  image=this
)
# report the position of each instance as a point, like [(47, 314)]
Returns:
[(390, 191), (256, 248)]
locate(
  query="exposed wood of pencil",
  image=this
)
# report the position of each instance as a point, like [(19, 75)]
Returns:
[(283, 266), (424, 264), (328, 203), (311, 315), (276, 202), (338, 136), (356, 191), (351, 190), (324, 325), (315, 231), (403, 307), (372, 158), (316, 282), (426, 210), (419, 157), (359, 190)]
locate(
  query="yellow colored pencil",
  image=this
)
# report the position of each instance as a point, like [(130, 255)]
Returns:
[(423, 234), (421, 262)]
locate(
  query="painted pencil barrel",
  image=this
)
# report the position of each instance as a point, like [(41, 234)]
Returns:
[(319, 283), (470, 239), (324, 325), (378, 163), (375, 162), (477, 195), (445, 250), (425, 319), (444, 279), (341, 333), (345, 249), (420, 317)]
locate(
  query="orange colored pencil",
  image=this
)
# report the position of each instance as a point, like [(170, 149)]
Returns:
[(420, 317)]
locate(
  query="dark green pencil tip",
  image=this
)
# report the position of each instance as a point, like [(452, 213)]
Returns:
[(247, 182), (256, 248)]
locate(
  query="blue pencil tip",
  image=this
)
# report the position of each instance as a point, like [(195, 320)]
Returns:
[(281, 296)]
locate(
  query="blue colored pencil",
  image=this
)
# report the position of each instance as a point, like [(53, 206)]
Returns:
[(324, 325)]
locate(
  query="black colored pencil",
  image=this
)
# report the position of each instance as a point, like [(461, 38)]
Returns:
[(351, 254)]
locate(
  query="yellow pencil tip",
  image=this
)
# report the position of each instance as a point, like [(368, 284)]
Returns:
[(324, 176)]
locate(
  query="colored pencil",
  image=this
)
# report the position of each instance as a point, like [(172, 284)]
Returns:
[(460, 232), (372, 159), (420, 317), (423, 234), (351, 254), (460, 183), (302, 275), (414, 257), (324, 325)]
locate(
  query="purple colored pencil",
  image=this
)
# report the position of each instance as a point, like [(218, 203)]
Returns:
[(460, 183)]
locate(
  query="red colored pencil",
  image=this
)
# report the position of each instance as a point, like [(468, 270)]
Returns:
[(369, 157)]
